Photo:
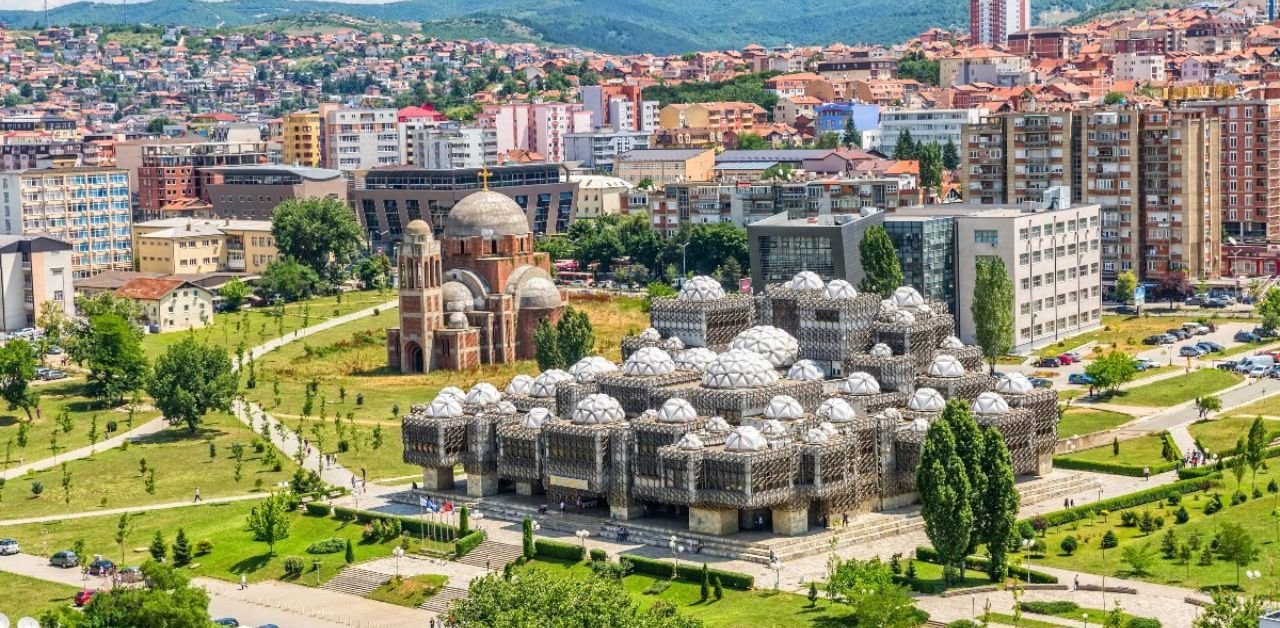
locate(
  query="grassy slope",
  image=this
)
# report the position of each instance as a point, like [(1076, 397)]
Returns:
[(1222, 434), (1125, 333), (1081, 421), (53, 398), (21, 596), (1175, 390), (1137, 452)]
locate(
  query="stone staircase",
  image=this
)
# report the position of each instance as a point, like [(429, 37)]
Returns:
[(492, 554), (439, 603), (1055, 488), (356, 581)]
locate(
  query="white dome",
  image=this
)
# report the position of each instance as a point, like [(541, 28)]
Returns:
[(860, 383), (452, 391), (924, 310), (598, 409), (689, 442), (676, 410), (920, 425), (891, 413), (536, 418), (776, 345), (648, 361), (806, 370), (989, 403), (695, 359), (946, 365), (649, 413), (828, 428), (717, 424), (904, 317), (906, 296), (805, 280), (888, 307), (1014, 384), (586, 369), (520, 385), (839, 289), (881, 350), (739, 368), (701, 288), (457, 320), (816, 436), (773, 430), (784, 408), (544, 385), (745, 438), (483, 394), (926, 400), (505, 408), (650, 334), (836, 410), (673, 344), (445, 407), (951, 342)]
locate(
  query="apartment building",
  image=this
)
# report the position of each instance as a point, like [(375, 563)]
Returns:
[(984, 65), (1040, 43), (450, 145), (1140, 67), (600, 148), (1015, 157), (88, 208), (361, 138), (35, 273), (300, 139), (925, 125), (925, 246), (253, 192), (992, 21), (165, 173), (1249, 192), (716, 118), (599, 195), (747, 202), (661, 167), (620, 108), (858, 68), (536, 127), (188, 246), (169, 304)]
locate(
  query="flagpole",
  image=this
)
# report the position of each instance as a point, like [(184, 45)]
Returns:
[(422, 526)]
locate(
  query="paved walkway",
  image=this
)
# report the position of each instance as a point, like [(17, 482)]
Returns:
[(146, 429), (297, 334)]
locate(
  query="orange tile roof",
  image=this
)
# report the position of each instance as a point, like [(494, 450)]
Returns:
[(148, 289)]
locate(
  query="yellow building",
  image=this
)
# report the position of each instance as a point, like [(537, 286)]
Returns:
[(301, 139), (191, 245), (665, 166)]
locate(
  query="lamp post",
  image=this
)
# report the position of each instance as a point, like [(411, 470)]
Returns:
[(582, 537), (684, 263), (1252, 575), (397, 552), (1084, 617), (676, 550), (1027, 545), (776, 566), (478, 516)]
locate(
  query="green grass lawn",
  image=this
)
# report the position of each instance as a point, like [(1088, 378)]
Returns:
[(21, 596), (1140, 452), (253, 326), (1083, 613), (1255, 516), (763, 607), (1269, 406), (234, 550), (1159, 370), (1081, 421), (1005, 619), (1248, 347), (54, 398), (1125, 333), (1178, 389), (1221, 434), (112, 478), (410, 591)]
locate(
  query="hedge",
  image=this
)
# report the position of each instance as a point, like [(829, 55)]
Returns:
[(561, 551), (318, 509), (1113, 468), (598, 555), (979, 563), (411, 525), (468, 543), (1159, 493), (689, 573)]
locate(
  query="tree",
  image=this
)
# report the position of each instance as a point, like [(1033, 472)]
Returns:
[(319, 233), (1069, 545), (883, 273), (1236, 545), (950, 155), (1126, 283), (526, 533), (1173, 288), (868, 587), (969, 438), (1269, 308), (181, 549), (289, 280), (1111, 370), (945, 498), (751, 141), (234, 293), (546, 349), (349, 556), (123, 527), (1113, 98), (704, 589), (993, 309), (17, 370), (113, 352), (158, 549), (1139, 558), (915, 65), (269, 521), (155, 126), (374, 272), (190, 379), (829, 140), (1229, 610), (852, 136), (66, 485), (166, 600), (533, 600), (998, 502), (1255, 450), (930, 157), (574, 336), (905, 148)]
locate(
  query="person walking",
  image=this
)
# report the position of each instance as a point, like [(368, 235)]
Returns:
[(244, 582), (1077, 582), (197, 497), (1146, 474), (562, 505)]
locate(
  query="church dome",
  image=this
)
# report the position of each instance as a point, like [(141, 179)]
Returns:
[(1014, 384), (457, 297), (946, 365), (445, 407), (483, 394), (989, 403), (701, 288), (805, 280), (784, 408), (536, 418), (485, 213), (739, 369), (695, 359), (598, 409), (860, 383), (745, 438), (520, 385), (545, 384), (676, 410), (538, 293), (586, 369), (806, 370), (839, 289), (647, 362), (926, 400), (775, 345), (417, 228), (836, 410)]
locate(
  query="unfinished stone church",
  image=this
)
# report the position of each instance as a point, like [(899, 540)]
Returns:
[(807, 401)]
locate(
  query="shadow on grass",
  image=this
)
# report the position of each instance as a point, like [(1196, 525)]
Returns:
[(251, 564)]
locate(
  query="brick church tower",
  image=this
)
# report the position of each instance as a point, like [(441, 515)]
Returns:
[(421, 308)]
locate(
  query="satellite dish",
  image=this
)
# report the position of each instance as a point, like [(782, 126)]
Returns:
[(27, 622)]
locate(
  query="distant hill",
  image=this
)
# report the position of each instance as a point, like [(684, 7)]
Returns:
[(658, 26)]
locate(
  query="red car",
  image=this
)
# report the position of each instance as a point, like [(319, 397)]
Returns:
[(1065, 359), (84, 596)]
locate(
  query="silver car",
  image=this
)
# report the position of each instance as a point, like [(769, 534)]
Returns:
[(9, 547)]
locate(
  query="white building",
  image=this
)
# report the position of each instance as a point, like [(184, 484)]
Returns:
[(35, 273), (597, 150), (599, 195), (451, 145), (537, 127), (89, 208), (925, 125), (1145, 68), (359, 139)]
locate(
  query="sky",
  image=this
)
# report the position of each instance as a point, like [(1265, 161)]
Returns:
[(39, 4)]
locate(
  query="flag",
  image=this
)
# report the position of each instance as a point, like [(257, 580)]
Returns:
[(448, 506)]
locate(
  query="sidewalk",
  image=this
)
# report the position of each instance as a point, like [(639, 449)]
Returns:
[(146, 429)]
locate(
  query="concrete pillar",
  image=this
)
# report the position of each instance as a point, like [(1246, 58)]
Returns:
[(625, 511), (790, 522), (528, 488), (713, 521), (437, 478), (1044, 464), (482, 484)]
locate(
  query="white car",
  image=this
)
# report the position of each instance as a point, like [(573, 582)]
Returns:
[(1258, 371), (1146, 363), (9, 547)]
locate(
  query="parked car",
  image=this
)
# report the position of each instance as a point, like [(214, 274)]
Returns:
[(130, 575), (65, 559), (1209, 345), (1262, 332), (1075, 356), (1040, 382), (1127, 309), (1196, 300), (1179, 333), (1258, 371), (1080, 378), (53, 374), (1215, 303), (1157, 339), (9, 547), (1049, 363), (1229, 365), (1145, 363), (102, 567), (1195, 329), (83, 596), (1191, 351), (230, 622), (1066, 360), (1246, 336)]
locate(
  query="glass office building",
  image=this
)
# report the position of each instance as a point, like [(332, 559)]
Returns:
[(926, 251)]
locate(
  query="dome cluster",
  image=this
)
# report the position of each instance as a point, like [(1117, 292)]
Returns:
[(676, 410), (544, 386), (695, 359), (586, 369), (805, 280), (444, 407), (1014, 384), (946, 365), (907, 296), (598, 409), (483, 394), (701, 288), (775, 345), (839, 289), (806, 370), (648, 362), (989, 403), (535, 418), (739, 369), (784, 408), (520, 385), (745, 439), (836, 410)]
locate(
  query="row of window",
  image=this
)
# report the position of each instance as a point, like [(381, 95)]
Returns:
[(1064, 324), (1039, 305), (1050, 278)]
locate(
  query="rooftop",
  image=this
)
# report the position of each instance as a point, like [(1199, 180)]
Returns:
[(314, 174), (825, 220), (213, 225), (682, 154), (149, 288)]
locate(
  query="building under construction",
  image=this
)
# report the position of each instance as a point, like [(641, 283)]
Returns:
[(806, 402)]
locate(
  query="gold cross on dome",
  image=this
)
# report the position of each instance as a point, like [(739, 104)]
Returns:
[(484, 176)]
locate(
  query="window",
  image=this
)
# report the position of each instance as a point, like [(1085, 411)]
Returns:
[(986, 236)]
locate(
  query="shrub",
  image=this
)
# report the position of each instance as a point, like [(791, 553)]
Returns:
[(1181, 515), (327, 546), (1273, 487), (598, 555), (319, 509), (1238, 498), (350, 555), (1213, 505), (204, 547), (962, 623), (1129, 519), (662, 569), (1113, 468), (1053, 607), (1174, 500), (1121, 502), (343, 514), (468, 543), (1109, 540), (1069, 545), (111, 427), (1143, 622), (977, 563), (562, 551), (657, 587), (293, 566)]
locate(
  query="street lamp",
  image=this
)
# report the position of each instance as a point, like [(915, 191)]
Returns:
[(1085, 618), (1252, 575), (582, 537), (397, 551), (676, 550), (478, 516), (776, 566), (1027, 545), (684, 263)]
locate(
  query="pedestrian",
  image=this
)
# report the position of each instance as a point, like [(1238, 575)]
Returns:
[(844, 520), (197, 497), (1077, 582), (486, 565), (562, 505), (1066, 503), (364, 486), (244, 582), (1146, 474), (363, 474), (773, 558)]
